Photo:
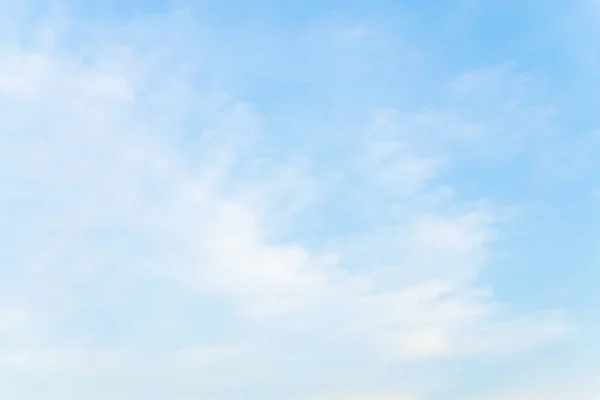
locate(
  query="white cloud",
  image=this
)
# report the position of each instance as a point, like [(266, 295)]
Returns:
[(121, 182), (395, 168), (203, 238)]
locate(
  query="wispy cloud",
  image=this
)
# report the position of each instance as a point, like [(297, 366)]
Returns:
[(163, 216)]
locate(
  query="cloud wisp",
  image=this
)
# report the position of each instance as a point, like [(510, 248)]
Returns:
[(163, 217)]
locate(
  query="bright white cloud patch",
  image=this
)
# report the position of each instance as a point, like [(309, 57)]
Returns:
[(164, 239)]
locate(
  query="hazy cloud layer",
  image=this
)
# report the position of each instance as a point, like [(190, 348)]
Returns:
[(198, 203)]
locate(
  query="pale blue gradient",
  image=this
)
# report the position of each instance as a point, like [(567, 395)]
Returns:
[(322, 200)]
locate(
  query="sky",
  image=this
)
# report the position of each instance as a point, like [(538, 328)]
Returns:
[(318, 200)]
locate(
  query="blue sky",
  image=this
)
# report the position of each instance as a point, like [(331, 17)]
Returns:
[(328, 200)]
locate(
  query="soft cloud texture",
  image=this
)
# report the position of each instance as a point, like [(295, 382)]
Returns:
[(196, 205)]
